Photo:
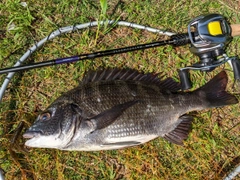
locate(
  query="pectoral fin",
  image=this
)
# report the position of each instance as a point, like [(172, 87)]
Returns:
[(181, 132), (107, 117)]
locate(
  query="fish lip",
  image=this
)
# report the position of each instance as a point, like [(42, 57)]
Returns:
[(32, 134)]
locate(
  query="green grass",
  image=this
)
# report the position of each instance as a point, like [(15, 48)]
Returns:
[(211, 150)]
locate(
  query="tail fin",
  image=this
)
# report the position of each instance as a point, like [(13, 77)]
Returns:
[(214, 91)]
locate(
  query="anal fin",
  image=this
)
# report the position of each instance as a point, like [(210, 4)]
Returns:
[(181, 132)]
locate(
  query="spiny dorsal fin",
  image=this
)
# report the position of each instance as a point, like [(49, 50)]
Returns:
[(130, 75), (181, 132)]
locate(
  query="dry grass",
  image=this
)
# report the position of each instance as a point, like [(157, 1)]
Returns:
[(210, 152)]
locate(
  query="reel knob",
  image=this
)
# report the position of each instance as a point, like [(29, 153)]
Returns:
[(236, 68), (185, 79)]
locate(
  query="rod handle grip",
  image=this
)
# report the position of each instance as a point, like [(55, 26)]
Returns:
[(235, 30)]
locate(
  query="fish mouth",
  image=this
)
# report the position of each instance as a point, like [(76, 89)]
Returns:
[(37, 139), (32, 134)]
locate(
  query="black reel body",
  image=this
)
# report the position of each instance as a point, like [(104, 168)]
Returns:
[(211, 35)]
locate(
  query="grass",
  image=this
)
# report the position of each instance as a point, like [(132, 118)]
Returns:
[(212, 149)]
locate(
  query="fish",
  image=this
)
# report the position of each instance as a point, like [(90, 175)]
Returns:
[(119, 108)]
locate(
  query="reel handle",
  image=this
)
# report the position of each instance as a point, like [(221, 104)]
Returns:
[(236, 68), (184, 79)]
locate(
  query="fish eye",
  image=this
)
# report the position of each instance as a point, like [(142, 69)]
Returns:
[(45, 116)]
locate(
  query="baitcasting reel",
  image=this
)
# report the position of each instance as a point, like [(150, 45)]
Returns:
[(211, 35)]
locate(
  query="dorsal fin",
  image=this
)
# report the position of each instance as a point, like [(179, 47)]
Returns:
[(130, 75)]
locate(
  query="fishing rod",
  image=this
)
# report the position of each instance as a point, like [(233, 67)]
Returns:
[(208, 41), (176, 40)]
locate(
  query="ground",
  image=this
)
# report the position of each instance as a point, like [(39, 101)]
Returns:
[(210, 152)]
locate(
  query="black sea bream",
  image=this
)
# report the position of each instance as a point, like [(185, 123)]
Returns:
[(113, 109)]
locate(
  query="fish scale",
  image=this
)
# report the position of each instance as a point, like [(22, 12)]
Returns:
[(117, 98), (118, 108), (109, 96)]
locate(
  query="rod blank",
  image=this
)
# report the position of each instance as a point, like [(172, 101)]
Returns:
[(84, 57)]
